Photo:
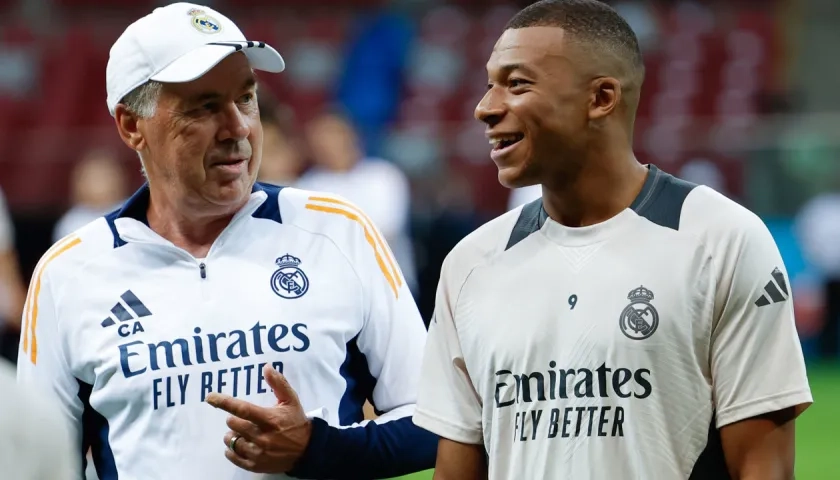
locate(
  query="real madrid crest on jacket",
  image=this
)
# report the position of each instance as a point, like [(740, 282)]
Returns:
[(298, 280), (288, 280)]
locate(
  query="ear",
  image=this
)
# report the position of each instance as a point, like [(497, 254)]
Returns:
[(606, 96), (128, 126)]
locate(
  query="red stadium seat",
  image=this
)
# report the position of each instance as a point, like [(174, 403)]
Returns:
[(18, 34), (68, 109), (328, 28)]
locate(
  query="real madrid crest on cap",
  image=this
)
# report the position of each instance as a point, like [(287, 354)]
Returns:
[(204, 23), (639, 319), (289, 281)]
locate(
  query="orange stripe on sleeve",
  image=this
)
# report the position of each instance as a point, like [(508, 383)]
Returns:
[(31, 290), (33, 354), (383, 246), (27, 311), (368, 237)]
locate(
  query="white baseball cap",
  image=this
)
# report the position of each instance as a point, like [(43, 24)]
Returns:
[(179, 43)]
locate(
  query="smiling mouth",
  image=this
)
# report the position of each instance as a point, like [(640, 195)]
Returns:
[(503, 142)]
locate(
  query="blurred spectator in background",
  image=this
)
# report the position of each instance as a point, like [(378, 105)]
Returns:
[(12, 288), (282, 159), (98, 186), (374, 185), (36, 443), (371, 84), (642, 20)]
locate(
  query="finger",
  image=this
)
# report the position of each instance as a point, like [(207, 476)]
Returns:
[(240, 408), (216, 399), (240, 462), (228, 437), (243, 448), (283, 391), (244, 428)]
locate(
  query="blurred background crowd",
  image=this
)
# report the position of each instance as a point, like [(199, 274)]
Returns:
[(376, 105)]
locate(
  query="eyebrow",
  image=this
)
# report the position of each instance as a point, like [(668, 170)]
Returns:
[(509, 68), (250, 83)]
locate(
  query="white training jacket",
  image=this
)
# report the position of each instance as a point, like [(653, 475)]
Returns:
[(130, 333)]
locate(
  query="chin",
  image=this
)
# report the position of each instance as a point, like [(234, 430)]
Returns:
[(232, 193), (515, 177)]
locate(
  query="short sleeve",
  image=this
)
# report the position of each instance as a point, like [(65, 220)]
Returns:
[(448, 404), (756, 357)]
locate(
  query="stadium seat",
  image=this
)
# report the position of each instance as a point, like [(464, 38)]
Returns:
[(720, 71), (17, 34)]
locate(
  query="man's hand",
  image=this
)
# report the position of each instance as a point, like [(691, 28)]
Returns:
[(267, 440)]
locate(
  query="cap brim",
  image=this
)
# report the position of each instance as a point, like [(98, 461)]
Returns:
[(196, 63)]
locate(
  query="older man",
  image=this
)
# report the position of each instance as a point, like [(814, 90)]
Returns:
[(209, 287)]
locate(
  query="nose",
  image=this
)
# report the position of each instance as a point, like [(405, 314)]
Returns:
[(490, 109), (235, 124)]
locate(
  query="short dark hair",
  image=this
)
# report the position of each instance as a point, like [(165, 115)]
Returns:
[(588, 21)]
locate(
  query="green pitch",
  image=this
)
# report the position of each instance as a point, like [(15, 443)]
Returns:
[(427, 475), (817, 430)]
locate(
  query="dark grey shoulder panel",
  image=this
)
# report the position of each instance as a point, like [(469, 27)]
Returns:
[(661, 199), (530, 220)]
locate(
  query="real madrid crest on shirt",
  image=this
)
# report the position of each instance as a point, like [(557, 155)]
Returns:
[(640, 319), (204, 23), (289, 281)]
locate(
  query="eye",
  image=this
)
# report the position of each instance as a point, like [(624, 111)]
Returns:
[(517, 82), (210, 106), (247, 98)]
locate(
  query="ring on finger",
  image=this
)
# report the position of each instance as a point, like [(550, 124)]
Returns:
[(232, 444)]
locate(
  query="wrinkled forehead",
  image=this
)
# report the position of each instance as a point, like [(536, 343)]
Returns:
[(535, 48)]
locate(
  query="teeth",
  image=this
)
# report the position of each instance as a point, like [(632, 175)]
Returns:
[(508, 138)]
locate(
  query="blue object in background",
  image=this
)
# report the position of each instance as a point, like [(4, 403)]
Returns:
[(370, 86), (783, 232)]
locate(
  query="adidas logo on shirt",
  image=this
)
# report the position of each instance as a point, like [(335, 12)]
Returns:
[(131, 308), (776, 290)]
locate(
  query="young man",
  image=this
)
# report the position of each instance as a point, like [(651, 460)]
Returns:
[(626, 325), (206, 286)]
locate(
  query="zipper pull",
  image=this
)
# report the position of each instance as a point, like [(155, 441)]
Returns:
[(203, 268)]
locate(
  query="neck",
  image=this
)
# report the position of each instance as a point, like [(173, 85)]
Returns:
[(606, 184), (186, 226)]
